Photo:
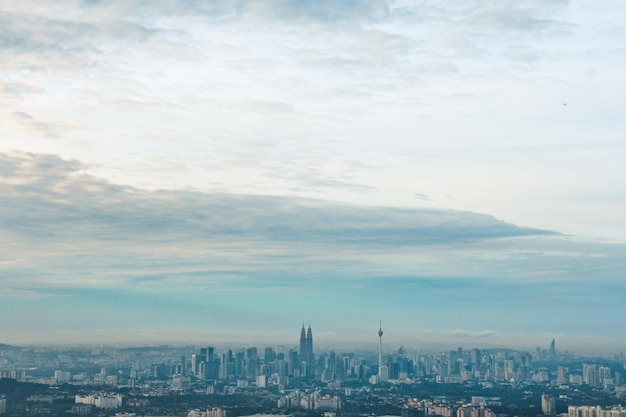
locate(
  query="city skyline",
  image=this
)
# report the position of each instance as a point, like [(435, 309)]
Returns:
[(192, 170), (235, 381)]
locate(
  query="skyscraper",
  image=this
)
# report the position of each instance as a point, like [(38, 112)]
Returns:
[(302, 352), (306, 351), (548, 404), (309, 347)]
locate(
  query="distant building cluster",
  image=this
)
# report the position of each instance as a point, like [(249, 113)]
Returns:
[(103, 378), (469, 410), (417, 408), (295, 378), (595, 411), (180, 383), (100, 400), (312, 401), (252, 368), (19, 375), (209, 412), (270, 368), (62, 377), (595, 376)]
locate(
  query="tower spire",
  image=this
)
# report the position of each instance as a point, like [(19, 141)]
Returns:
[(380, 346)]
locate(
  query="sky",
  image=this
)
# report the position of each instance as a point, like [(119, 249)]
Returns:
[(210, 171)]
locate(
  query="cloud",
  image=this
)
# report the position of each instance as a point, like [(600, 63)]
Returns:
[(21, 294), (62, 226), (470, 334), (64, 229), (371, 32), (63, 198), (275, 112), (47, 129), (74, 243)]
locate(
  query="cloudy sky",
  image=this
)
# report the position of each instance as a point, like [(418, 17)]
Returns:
[(198, 170)]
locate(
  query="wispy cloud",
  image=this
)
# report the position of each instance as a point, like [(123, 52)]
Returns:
[(69, 221), (60, 195), (62, 226), (471, 334)]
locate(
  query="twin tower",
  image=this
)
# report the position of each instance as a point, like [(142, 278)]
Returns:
[(307, 358), (306, 352)]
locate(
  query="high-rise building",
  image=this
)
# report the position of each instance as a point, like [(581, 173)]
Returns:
[(61, 377), (294, 367), (590, 374), (309, 348), (552, 351), (194, 364), (306, 352), (469, 410), (548, 404), (302, 352)]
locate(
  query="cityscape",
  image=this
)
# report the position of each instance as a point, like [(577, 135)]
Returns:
[(301, 380), (312, 208)]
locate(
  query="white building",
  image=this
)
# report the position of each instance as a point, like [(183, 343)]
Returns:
[(595, 411), (548, 404), (61, 377), (100, 400), (180, 383), (312, 401), (209, 412)]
